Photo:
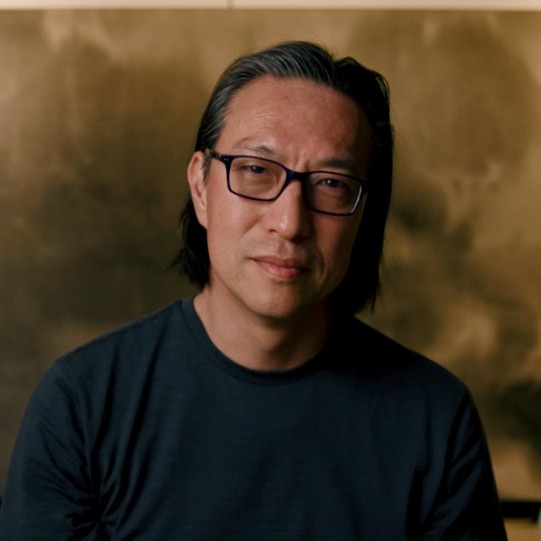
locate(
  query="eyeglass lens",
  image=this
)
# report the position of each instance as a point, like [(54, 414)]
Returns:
[(261, 179)]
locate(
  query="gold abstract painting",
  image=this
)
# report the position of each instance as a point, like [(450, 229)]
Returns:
[(98, 115)]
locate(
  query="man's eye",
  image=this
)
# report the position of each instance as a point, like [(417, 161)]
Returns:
[(330, 182), (256, 169), (251, 168)]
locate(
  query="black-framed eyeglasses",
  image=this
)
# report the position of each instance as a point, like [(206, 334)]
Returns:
[(265, 180)]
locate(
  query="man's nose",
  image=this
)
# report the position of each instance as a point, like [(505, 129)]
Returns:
[(288, 215)]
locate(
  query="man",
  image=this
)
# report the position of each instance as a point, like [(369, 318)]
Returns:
[(261, 408)]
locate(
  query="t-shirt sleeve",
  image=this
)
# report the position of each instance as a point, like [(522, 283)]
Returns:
[(48, 495), (467, 507)]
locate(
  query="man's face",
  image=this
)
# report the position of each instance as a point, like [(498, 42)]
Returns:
[(280, 259)]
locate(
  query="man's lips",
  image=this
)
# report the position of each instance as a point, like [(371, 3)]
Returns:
[(284, 268)]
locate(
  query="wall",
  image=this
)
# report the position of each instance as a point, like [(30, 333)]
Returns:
[(99, 109)]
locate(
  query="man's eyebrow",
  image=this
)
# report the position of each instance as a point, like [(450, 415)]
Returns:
[(349, 164), (248, 145)]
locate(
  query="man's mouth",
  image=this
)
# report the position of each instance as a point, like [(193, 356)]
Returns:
[(282, 268)]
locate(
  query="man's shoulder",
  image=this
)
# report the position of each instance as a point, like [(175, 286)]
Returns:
[(381, 356), (129, 346), (136, 331), (118, 362)]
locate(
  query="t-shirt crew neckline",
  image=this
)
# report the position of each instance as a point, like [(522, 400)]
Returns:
[(221, 361)]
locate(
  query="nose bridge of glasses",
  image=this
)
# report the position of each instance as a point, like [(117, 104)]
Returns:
[(290, 175)]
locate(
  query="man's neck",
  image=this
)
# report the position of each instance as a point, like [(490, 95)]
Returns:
[(261, 343)]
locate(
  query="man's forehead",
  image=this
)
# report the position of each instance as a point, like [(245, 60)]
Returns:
[(270, 117), (267, 98)]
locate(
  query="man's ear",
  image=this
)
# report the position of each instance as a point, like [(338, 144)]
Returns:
[(198, 186)]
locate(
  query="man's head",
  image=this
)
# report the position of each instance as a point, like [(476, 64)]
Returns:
[(298, 61)]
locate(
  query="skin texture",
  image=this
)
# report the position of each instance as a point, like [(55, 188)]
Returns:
[(274, 264)]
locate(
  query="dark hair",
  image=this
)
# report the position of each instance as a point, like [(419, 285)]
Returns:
[(369, 89)]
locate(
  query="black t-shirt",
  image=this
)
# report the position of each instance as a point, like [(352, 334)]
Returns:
[(151, 433)]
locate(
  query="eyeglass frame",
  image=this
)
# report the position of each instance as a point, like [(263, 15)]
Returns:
[(302, 176)]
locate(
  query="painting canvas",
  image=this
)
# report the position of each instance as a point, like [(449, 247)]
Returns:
[(99, 110)]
